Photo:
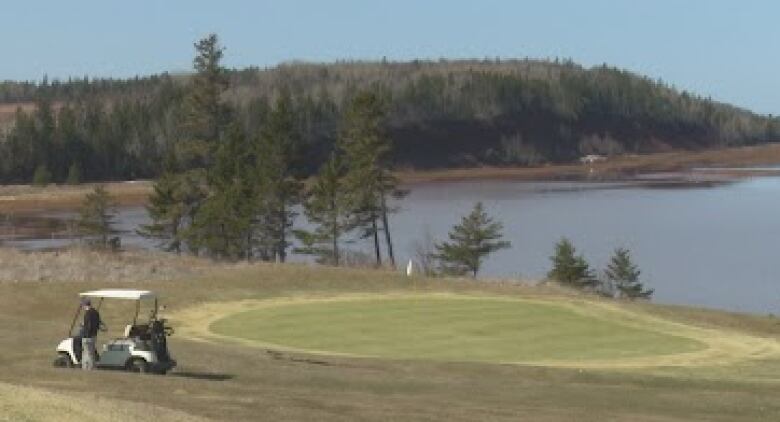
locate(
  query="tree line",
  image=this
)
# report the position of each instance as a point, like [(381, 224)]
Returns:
[(232, 193), (436, 114)]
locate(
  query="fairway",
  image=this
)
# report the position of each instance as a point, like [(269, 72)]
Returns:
[(452, 328)]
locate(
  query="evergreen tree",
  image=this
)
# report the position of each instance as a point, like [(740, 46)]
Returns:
[(42, 176), (96, 217), (279, 187), (182, 190), (624, 274), (367, 153), (476, 237), (21, 155), (206, 115), (222, 225), (74, 174), (43, 143), (569, 268), (172, 207), (327, 206), (69, 137)]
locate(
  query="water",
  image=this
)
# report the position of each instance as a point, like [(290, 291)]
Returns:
[(715, 247)]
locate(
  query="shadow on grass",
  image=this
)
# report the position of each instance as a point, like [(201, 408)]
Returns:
[(206, 376), (277, 355)]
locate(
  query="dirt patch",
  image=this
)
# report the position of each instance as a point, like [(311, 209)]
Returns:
[(87, 265)]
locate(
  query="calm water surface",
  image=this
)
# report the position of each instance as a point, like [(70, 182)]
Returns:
[(716, 247)]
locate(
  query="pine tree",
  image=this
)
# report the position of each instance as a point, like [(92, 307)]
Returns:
[(22, 161), (183, 187), (569, 268), (278, 185), (222, 225), (624, 274), (43, 143), (96, 217), (74, 174), (327, 206), (206, 115), (367, 154), (172, 209), (476, 237), (42, 176)]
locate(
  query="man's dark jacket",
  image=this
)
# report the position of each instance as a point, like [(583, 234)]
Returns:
[(91, 323)]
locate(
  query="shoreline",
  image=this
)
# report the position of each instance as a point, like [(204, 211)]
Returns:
[(702, 168), (721, 165)]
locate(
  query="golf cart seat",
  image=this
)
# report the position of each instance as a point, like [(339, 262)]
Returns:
[(140, 331)]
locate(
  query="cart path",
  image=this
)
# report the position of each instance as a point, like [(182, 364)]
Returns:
[(721, 346)]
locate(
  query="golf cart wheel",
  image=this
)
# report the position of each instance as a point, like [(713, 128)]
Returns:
[(138, 365), (63, 361)]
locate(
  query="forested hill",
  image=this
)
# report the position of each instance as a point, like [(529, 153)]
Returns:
[(439, 114)]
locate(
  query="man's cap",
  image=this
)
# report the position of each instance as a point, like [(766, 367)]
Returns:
[(86, 302)]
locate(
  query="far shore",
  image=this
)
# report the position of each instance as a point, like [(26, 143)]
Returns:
[(711, 165), (674, 168)]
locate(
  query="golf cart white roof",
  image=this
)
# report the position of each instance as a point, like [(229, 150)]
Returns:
[(127, 294)]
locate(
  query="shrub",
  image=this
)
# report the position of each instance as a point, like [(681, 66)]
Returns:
[(42, 176), (74, 174)]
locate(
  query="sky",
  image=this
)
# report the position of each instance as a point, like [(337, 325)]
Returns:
[(724, 49)]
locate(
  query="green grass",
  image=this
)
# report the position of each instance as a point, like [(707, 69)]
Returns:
[(454, 328)]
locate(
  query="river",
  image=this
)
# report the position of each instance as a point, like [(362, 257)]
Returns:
[(713, 246)]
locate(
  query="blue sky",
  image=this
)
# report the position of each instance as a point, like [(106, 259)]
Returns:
[(729, 50)]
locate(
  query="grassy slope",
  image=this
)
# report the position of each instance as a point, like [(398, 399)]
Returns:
[(228, 381)]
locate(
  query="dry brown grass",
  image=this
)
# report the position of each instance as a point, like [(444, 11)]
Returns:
[(20, 198), (87, 265), (35, 404)]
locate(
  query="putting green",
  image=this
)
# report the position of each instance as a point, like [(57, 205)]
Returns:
[(456, 328)]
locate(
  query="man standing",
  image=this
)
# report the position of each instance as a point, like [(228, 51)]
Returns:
[(91, 326)]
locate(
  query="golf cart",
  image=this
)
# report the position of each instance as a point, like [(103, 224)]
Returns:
[(142, 348)]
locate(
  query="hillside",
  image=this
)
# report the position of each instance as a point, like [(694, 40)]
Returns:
[(440, 114)]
